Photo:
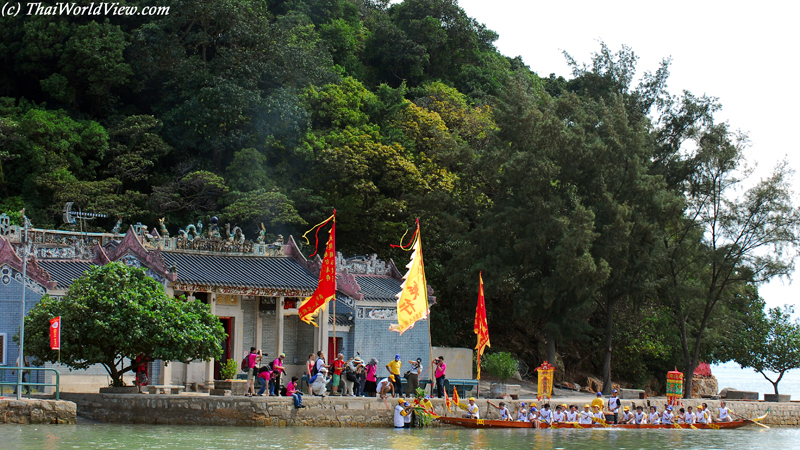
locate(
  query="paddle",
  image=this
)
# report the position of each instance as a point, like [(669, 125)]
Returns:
[(601, 422), (751, 420)]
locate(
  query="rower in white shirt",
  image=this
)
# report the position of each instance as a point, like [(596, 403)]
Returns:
[(639, 417), (689, 417), (558, 415), (667, 417), (654, 417), (572, 414), (585, 416), (627, 416), (724, 413)]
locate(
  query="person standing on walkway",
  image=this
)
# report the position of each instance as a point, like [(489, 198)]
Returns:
[(252, 360), (394, 375), (371, 372), (309, 369), (361, 377), (349, 377), (338, 367), (277, 371), (440, 374), (413, 377)]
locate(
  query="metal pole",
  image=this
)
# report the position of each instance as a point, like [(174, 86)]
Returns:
[(22, 322)]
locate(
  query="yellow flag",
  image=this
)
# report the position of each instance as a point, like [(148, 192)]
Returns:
[(412, 301)]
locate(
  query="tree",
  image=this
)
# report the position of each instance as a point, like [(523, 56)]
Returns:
[(723, 243), (114, 313), (771, 343)]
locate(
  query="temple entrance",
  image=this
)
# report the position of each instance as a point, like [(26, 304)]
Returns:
[(334, 348), (227, 347)]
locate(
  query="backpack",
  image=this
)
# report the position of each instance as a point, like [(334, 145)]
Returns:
[(314, 369), (312, 379), (245, 363), (349, 375)]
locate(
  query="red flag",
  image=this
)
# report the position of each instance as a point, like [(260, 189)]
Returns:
[(481, 326), (447, 401), (55, 333), (326, 289)]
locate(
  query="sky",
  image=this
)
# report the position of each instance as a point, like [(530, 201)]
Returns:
[(740, 52)]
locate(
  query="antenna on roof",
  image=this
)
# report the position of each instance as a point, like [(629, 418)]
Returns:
[(71, 217)]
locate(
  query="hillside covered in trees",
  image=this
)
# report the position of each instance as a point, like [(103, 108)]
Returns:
[(605, 212)]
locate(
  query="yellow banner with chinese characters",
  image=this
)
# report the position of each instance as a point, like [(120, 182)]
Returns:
[(412, 301)]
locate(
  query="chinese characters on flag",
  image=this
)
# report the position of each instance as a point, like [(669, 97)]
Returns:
[(326, 289), (412, 301), (481, 326), (55, 333)]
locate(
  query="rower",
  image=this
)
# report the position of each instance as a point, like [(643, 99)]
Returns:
[(504, 413), (522, 413), (700, 415), (472, 410), (558, 415), (667, 417), (654, 417), (689, 417), (627, 416), (585, 416), (639, 416), (598, 415), (707, 414), (724, 413), (572, 415), (545, 414)]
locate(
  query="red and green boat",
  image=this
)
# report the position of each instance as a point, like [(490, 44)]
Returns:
[(488, 423)]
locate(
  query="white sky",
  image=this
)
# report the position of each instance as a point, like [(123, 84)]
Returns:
[(742, 53)]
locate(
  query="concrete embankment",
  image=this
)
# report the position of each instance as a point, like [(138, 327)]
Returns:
[(37, 411), (322, 412)]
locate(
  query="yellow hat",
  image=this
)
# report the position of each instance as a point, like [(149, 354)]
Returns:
[(400, 401), (626, 409), (585, 406), (472, 398)]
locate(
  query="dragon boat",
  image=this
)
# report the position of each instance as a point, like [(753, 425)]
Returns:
[(488, 423)]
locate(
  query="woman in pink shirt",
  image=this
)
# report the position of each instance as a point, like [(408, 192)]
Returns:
[(372, 382), (297, 396)]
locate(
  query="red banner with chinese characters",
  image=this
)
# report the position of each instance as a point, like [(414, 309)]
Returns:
[(326, 288), (55, 333), (481, 326)]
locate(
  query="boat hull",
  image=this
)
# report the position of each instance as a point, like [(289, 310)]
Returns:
[(487, 423)]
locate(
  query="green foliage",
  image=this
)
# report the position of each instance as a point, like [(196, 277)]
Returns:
[(114, 313), (229, 369), (770, 343), (500, 364)]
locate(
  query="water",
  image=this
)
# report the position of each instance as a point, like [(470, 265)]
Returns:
[(109, 436), (731, 375)]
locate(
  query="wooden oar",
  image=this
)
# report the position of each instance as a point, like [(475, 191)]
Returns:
[(755, 421), (601, 422)]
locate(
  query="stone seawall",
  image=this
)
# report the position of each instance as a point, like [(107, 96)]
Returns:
[(37, 411), (324, 412)]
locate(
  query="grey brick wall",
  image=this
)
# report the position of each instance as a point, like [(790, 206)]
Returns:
[(249, 325), (372, 338)]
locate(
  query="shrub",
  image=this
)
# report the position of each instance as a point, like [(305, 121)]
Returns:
[(500, 364), (230, 369)]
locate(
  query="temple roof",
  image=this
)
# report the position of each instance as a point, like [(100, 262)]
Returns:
[(378, 288), (342, 320), (65, 272), (240, 271)]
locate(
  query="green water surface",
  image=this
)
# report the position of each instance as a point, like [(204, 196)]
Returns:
[(108, 436)]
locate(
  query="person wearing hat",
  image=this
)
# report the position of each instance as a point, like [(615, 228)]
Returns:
[(614, 404), (472, 410), (350, 376), (667, 417), (413, 377), (534, 416), (598, 401), (522, 413), (586, 416), (277, 370), (402, 413), (394, 375), (627, 416), (598, 415), (320, 384)]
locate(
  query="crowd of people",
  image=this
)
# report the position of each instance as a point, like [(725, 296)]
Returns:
[(353, 377), (597, 412)]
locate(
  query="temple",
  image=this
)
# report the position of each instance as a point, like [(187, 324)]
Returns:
[(254, 287)]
